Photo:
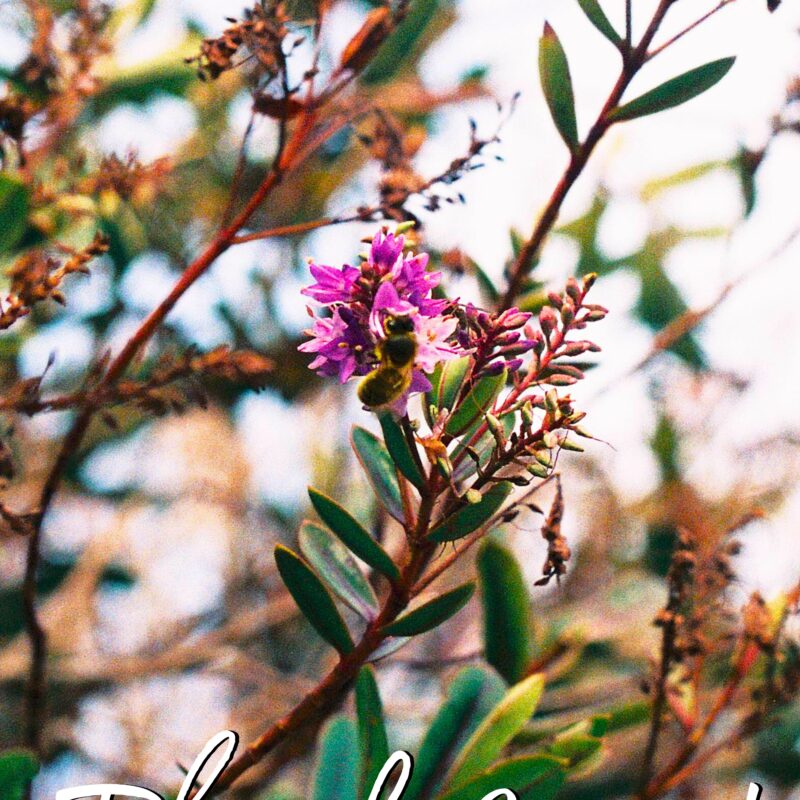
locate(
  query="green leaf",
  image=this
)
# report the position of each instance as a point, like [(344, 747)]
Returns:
[(313, 599), (334, 564), (521, 775), (387, 647), (471, 516), (14, 206), (379, 467), (598, 18), (336, 776), (676, 91), (446, 381), (506, 624), (660, 301), (497, 730), (17, 769), (486, 285), (400, 450), (577, 748), (476, 403), (628, 715), (431, 614), (401, 46), (557, 86), (470, 697), (371, 729), (353, 534)]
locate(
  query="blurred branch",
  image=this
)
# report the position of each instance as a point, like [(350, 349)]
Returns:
[(687, 322), (688, 29), (633, 59), (290, 153)]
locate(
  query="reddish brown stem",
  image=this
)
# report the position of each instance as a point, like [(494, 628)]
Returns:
[(35, 690), (665, 778), (632, 62), (325, 695)]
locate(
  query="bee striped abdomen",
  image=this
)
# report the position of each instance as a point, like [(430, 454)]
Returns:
[(396, 356), (383, 386)]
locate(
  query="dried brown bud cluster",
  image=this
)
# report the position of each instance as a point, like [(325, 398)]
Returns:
[(258, 36), (127, 176), (36, 277), (171, 386), (558, 551)]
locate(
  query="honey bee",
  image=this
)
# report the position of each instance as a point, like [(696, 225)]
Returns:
[(396, 355)]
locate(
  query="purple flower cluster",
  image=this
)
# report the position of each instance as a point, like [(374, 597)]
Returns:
[(389, 282)]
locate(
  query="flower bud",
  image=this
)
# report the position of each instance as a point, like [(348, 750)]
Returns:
[(527, 413), (561, 380), (473, 496), (518, 349), (551, 401), (507, 338), (513, 318), (573, 291), (495, 368), (588, 281), (537, 470), (547, 320)]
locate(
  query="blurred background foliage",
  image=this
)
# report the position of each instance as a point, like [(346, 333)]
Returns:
[(166, 618)]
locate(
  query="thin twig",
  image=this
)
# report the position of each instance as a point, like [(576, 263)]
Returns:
[(325, 695), (628, 22), (578, 159), (688, 29), (744, 662), (35, 690)]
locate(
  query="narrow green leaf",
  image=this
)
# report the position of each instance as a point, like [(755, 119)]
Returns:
[(476, 403), (379, 468), (431, 614), (497, 730), (313, 599), (521, 775), (628, 715), (337, 770), (471, 516), (400, 450), (577, 749), (371, 729), (388, 646), (17, 769), (353, 534), (598, 18), (547, 788), (470, 697), (447, 380), (485, 284), (334, 564), (506, 610), (557, 86), (676, 91), (14, 206)]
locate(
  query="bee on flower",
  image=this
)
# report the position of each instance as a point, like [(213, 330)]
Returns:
[(383, 324)]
